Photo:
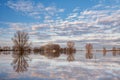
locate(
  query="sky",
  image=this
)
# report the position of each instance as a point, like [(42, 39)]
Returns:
[(59, 21)]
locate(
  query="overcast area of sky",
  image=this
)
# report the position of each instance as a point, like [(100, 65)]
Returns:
[(58, 21)]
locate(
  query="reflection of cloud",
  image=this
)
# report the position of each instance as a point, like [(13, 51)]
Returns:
[(39, 75)]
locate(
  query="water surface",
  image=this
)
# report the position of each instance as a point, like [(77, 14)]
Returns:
[(38, 67)]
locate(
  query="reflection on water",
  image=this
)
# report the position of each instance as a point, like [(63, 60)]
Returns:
[(56, 69), (114, 51), (70, 53), (5, 52), (53, 50), (118, 51), (19, 62), (55, 66), (104, 51), (89, 54)]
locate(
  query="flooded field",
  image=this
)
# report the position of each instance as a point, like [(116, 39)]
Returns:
[(34, 66)]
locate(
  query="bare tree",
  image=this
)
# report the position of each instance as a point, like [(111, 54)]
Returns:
[(20, 41), (89, 48), (20, 61), (70, 50), (70, 44)]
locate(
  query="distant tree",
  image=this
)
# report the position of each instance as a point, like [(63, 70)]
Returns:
[(70, 44), (70, 50), (89, 48), (50, 50), (20, 41)]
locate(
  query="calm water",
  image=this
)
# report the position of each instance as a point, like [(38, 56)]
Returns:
[(37, 67)]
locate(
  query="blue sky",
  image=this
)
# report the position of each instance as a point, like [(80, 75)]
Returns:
[(82, 21)]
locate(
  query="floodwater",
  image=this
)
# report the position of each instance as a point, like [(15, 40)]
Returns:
[(34, 66)]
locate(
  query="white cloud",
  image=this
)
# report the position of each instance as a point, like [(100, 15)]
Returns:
[(50, 8), (110, 1), (18, 26), (39, 26), (73, 15), (61, 10), (95, 24), (33, 9), (24, 6), (99, 24), (76, 9)]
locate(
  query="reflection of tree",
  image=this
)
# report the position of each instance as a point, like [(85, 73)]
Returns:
[(104, 51), (6, 52), (70, 51), (89, 55), (114, 51), (0, 52), (89, 48), (20, 41), (0, 49), (119, 51), (20, 63)]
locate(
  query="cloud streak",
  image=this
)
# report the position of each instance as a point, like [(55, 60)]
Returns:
[(98, 25), (33, 9)]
